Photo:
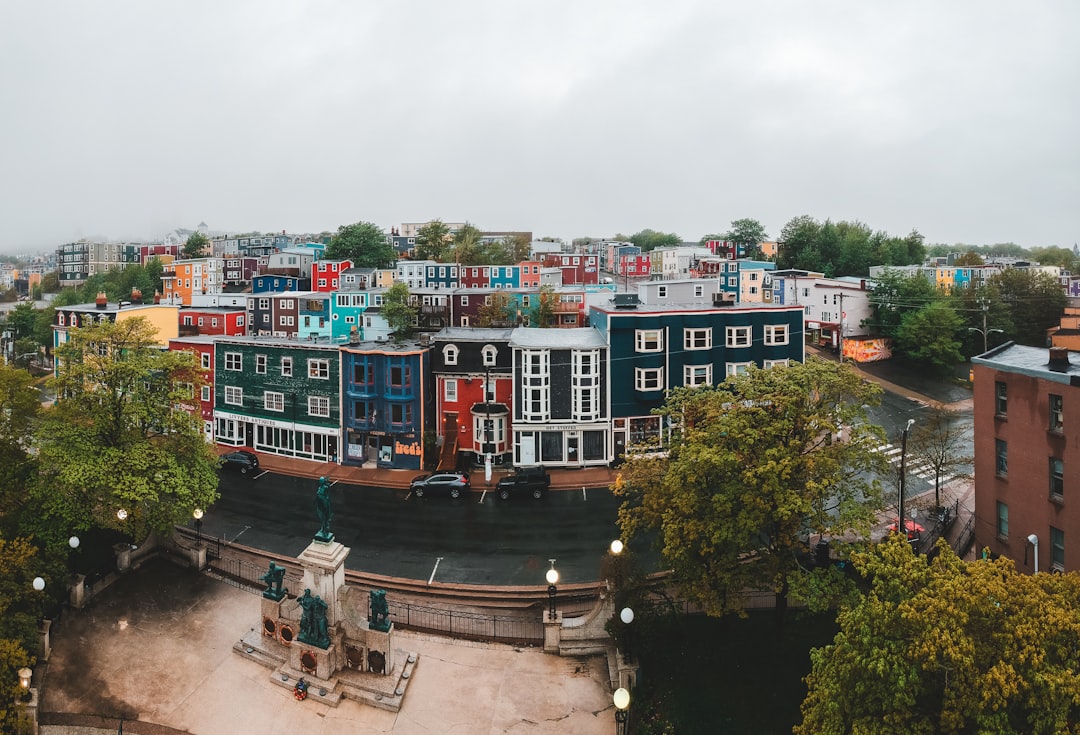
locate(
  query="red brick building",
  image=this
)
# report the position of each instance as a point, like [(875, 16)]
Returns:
[(1027, 456)]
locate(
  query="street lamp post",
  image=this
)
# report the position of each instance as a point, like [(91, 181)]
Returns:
[(622, 707), (626, 615), (39, 586), (197, 514), (552, 577), (900, 525)]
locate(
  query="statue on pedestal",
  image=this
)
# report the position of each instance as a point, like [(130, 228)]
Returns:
[(324, 511), (379, 617), (273, 579), (313, 624)]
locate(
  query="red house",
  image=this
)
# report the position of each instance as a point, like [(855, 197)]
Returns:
[(326, 274), (209, 320), (203, 347), (576, 268), (474, 276)]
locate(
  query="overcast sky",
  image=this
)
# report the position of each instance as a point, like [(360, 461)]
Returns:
[(128, 119)]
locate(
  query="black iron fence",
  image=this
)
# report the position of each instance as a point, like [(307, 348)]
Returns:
[(524, 630), (246, 574)]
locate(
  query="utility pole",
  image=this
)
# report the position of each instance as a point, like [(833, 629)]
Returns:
[(984, 331), (900, 525), (841, 327)]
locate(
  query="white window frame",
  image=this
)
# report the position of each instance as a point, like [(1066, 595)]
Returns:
[(775, 363), (206, 394), (450, 354), (737, 368), (776, 334), (586, 385), (696, 376), (260, 364), (648, 380), (739, 336), (273, 401), (318, 368), (536, 385), (693, 336), (648, 340), (286, 367), (489, 353), (661, 292), (234, 361), (234, 395), (450, 394), (204, 359), (318, 406)]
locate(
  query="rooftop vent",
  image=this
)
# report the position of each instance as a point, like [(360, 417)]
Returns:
[(1059, 359), (625, 300)]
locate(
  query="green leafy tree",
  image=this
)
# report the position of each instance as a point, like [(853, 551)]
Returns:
[(932, 335), (894, 295), (20, 607), (797, 239), (50, 282), (364, 243), (468, 247), (1061, 257), (969, 258), (1034, 300), (499, 311), (940, 645), (542, 313), (20, 403), (20, 320), (651, 239), (119, 435), (195, 246), (753, 468), (399, 311), (749, 233), (433, 241)]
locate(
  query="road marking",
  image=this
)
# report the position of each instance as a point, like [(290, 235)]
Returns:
[(264, 472), (434, 569), (583, 495), (483, 495)]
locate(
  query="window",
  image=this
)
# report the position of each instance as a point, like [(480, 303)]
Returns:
[(697, 339), (205, 397), (733, 282), (586, 385), (1002, 520), (661, 292), (1001, 454), (286, 367), (1057, 478), (400, 413), (776, 334), (273, 401), (450, 390), (699, 290), (464, 301), (233, 361), (738, 336), (234, 396), (205, 360), (649, 340), (319, 369), (360, 373), (535, 385), (696, 375), (1001, 391), (1057, 548), (737, 368), (774, 363), (318, 406), (489, 352), (1055, 413), (646, 379), (450, 353), (260, 364), (399, 376)]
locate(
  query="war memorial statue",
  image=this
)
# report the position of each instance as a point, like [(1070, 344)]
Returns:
[(324, 511)]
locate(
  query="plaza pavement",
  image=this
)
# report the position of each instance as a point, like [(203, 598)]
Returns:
[(156, 648)]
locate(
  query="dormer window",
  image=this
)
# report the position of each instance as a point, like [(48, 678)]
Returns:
[(450, 354), (490, 352)]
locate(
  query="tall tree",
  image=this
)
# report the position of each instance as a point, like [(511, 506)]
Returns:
[(499, 311), (195, 246), (399, 311), (433, 241), (940, 645), (749, 233), (20, 403), (119, 436), (542, 313), (798, 237), (1035, 302), (21, 320), (895, 294), (364, 243), (939, 442), (651, 239), (968, 258), (752, 470), (20, 607), (932, 335), (468, 248)]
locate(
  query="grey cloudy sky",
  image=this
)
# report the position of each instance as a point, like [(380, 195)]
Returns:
[(127, 119)]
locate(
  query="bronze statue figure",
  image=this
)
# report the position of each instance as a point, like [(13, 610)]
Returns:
[(379, 617), (274, 579), (324, 510), (313, 623)]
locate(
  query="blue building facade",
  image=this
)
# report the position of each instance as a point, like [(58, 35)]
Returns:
[(505, 276), (388, 401), (277, 284), (442, 275)]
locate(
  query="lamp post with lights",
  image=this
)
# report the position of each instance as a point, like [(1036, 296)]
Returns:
[(552, 577)]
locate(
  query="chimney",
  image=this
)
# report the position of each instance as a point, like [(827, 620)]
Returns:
[(157, 297), (1059, 359), (102, 300), (354, 335), (136, 296)]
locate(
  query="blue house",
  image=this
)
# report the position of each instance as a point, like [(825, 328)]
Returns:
[(442, 275), (313, 319), (347, 313), (505, 276), (388, 403), (269, 283), (656, 347)]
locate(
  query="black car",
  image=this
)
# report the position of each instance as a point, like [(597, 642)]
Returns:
[(453, 484), (533, 481), (240, 460)]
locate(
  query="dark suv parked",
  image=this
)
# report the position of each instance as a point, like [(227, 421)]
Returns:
[(240, 460), (453, 484), (533, 481)]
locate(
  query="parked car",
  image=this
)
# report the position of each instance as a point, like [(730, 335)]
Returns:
[(453, 484), (240, 460), (533, 481)]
